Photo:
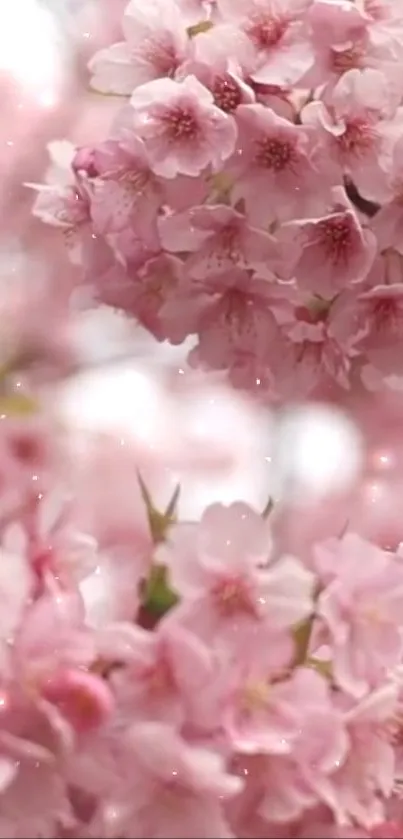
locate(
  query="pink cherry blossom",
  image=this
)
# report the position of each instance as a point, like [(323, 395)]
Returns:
[(387, 224), (279, 99), (346, 38), (219, 239), (253, 309), (183, 130), (385, 29), (285, 782), (126, 196), (334, 251), (50, 650), (235, 321), (67, 208), (229, 591), (311, 361), (360, 606), (54, 631), (359, 132), (156, 43), (271, 714), (174, 792), (278, 159), (167, 675), (381, 310), (355, 791), (225, 39), (275, 32), (223, 80), (276, 795), (151, 292), (64, 201), (82, 698), (317, 748), (51, 543), (37, 800), (339, 38)]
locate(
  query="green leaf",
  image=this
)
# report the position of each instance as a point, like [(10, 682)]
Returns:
[(302, 636), (159, 522), (158, 596)]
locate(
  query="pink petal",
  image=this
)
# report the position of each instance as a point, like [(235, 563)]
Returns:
[(112, 70)]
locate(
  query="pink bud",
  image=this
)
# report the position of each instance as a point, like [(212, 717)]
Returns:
[(83, 698)]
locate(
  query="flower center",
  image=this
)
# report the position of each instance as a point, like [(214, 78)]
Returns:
[(227, 94), (157, 283), (160, 680), (373, 614), (387, 317), (349, 59), (275, 153), (228, 244), (232, 597), (358, 138), (255, 696), (136, 180), (335, 234), (161, 55), (233, 306), (154, 289), (265, 30), (42, 561), (316, 311), (181, 124)]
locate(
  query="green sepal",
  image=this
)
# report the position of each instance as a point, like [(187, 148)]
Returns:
[(158, 596)]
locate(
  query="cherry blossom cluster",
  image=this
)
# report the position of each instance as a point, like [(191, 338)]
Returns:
[(161, 678), (250, 191), (216, 689)]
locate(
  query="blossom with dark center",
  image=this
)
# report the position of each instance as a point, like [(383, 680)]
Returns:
[(183, 129), (335, 251)]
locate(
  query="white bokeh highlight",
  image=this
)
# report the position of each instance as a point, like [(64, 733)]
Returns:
[(320, 452), (32, 48), (214, 442)]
